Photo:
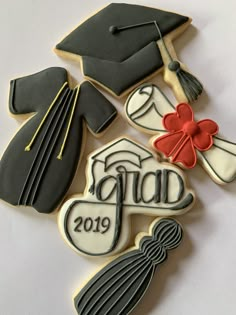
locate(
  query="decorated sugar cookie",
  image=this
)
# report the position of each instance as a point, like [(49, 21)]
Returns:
[(122, 45), (181, 138), (39, 164), (119, 286), (123, 178)]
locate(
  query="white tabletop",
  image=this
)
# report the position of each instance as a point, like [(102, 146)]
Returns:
[(39, 272)]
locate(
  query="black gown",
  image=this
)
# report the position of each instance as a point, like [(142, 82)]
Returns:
[(39, 164)]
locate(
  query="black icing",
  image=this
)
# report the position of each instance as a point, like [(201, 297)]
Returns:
[(118, 287), (156, 198), (93, 38), (117, 184), (174, 65), (108, 56), (119, 76), (37, 177), (118, 208)]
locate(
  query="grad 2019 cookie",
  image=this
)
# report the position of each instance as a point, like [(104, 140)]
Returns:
[(180, 138), (39, 164), (122, 45), (123, 178), (119, 286)]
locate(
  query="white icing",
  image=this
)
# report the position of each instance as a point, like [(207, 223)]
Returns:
[(226, 145), (135, 159), (90, 241), (220, 161), (174, 183), (146, 107)]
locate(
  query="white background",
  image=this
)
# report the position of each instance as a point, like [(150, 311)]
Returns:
[(38, 271)]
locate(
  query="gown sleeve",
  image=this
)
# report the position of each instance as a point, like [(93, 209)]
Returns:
[(34, 92), (97, 111)]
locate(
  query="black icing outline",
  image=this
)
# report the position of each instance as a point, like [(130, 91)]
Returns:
[(117, 227), (45, 157), (132, 270), (139, 89), (12, 96), (120, 189), (211, 167), (182, 205), (214, 171)]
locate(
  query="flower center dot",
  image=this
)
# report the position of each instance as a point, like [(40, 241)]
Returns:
[(191, 128)]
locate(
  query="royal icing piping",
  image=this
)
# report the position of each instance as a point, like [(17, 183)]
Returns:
[(123, 178), (149, 110), (39, 164), (133, 42), (119, 286), (185, 136)]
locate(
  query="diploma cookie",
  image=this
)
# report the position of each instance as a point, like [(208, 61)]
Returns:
[(39, 164), (179, 137), (122, 45), (119, 286), (123, 178)]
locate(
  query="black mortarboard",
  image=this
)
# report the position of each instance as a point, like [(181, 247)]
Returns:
[(123, 44)]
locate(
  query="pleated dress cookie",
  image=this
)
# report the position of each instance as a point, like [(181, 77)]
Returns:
[(39, 163)]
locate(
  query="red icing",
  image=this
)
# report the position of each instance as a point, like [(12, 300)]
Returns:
[(191, 128), (185, 136)]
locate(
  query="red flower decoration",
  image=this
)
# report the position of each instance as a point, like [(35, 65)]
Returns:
[(185, 136)]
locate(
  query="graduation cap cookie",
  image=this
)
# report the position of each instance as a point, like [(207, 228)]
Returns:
[(179, 137), (123, 178), (124, 44)]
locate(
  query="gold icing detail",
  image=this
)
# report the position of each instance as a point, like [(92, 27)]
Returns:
[(28, 147), (59, 157)]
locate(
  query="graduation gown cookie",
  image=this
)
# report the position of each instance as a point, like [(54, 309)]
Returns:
[(123, 178), (39, 164), (123, 44)]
